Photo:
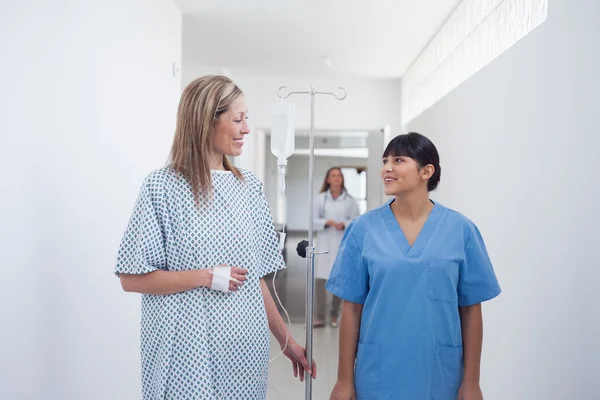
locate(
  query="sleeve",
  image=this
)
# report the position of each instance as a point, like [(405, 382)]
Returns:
[(477, 280), (270, 257), (353, 212), (319, 219), (142, 248), (349, 278)]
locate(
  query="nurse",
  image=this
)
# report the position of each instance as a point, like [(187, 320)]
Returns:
[(334, 209), (413, 275)]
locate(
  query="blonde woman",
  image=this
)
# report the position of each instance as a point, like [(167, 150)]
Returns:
[(197, 246)]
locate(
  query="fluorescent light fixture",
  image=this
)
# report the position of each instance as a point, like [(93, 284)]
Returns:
[(358, 152), (330, 133)]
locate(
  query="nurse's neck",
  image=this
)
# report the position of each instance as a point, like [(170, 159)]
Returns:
[(412, 206), (335, 191)]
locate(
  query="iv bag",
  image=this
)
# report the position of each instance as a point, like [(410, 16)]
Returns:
[(282, 131)]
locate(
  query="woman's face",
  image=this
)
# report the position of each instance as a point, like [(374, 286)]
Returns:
[(335, 179), (402, 174), (230, 129)]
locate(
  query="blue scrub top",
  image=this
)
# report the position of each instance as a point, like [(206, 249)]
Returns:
[(410, 343)]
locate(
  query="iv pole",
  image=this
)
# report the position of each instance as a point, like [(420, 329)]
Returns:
[(309, 251)]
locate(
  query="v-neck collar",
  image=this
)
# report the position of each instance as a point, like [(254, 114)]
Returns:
[(341, 197), (422, 239)]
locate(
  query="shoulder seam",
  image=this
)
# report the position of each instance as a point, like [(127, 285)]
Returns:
[(351, 233)]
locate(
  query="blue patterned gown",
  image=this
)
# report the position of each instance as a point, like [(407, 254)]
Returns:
[(202, 344)]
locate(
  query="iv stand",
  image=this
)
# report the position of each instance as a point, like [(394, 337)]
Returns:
[(310, 249)]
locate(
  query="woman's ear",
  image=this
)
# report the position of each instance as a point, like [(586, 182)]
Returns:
[(427, 171)]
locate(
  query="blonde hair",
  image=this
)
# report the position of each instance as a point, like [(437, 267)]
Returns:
[(202, 102)]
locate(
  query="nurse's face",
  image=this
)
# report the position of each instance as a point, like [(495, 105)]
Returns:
[(403, 174)]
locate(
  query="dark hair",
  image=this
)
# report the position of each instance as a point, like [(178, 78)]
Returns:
[(419, 148), (325, 185)]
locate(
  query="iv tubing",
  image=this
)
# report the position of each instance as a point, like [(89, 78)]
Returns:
[(282, 169)]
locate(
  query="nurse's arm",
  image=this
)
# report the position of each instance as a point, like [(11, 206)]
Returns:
[(349, 328), (472, 329)]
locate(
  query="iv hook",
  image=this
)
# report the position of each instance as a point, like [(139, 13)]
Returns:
[(338, 97), (341, 97)]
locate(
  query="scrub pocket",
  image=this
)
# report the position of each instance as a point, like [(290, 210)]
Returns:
[(448, 372), (366, 374), (442, 280)]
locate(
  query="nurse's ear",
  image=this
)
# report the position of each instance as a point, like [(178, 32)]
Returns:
[(427, 172)]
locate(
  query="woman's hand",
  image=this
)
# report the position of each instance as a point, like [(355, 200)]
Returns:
[(331, 223), (239, 274), (297, 355), (336, 225), (343, 390), (470, 391)]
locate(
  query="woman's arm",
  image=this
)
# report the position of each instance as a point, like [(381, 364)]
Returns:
[(276, 323), (170, 282), (353, 212), (472, 330), (349, 330), (319, 220), (165, 282), (293, 351), (344, 388)]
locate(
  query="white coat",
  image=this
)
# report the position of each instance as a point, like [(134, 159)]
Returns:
[(343, 209)]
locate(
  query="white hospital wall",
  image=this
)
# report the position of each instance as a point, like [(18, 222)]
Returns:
[(519, 148), (87, 109)]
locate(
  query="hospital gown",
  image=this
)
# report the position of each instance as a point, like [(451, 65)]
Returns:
[(410, 340), (202, 343)]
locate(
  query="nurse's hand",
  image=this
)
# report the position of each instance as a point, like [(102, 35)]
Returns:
[(343, 391), (470, 391), (297, 355), (332, 224)]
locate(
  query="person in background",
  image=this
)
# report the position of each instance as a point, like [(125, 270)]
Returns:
[(413, 275), (197, 246), (334, 209)]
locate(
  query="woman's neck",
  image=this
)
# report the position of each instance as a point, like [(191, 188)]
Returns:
[(335, 192), (412, 205), (216, 162)]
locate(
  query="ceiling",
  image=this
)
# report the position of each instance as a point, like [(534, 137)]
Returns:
[(310, 38)]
